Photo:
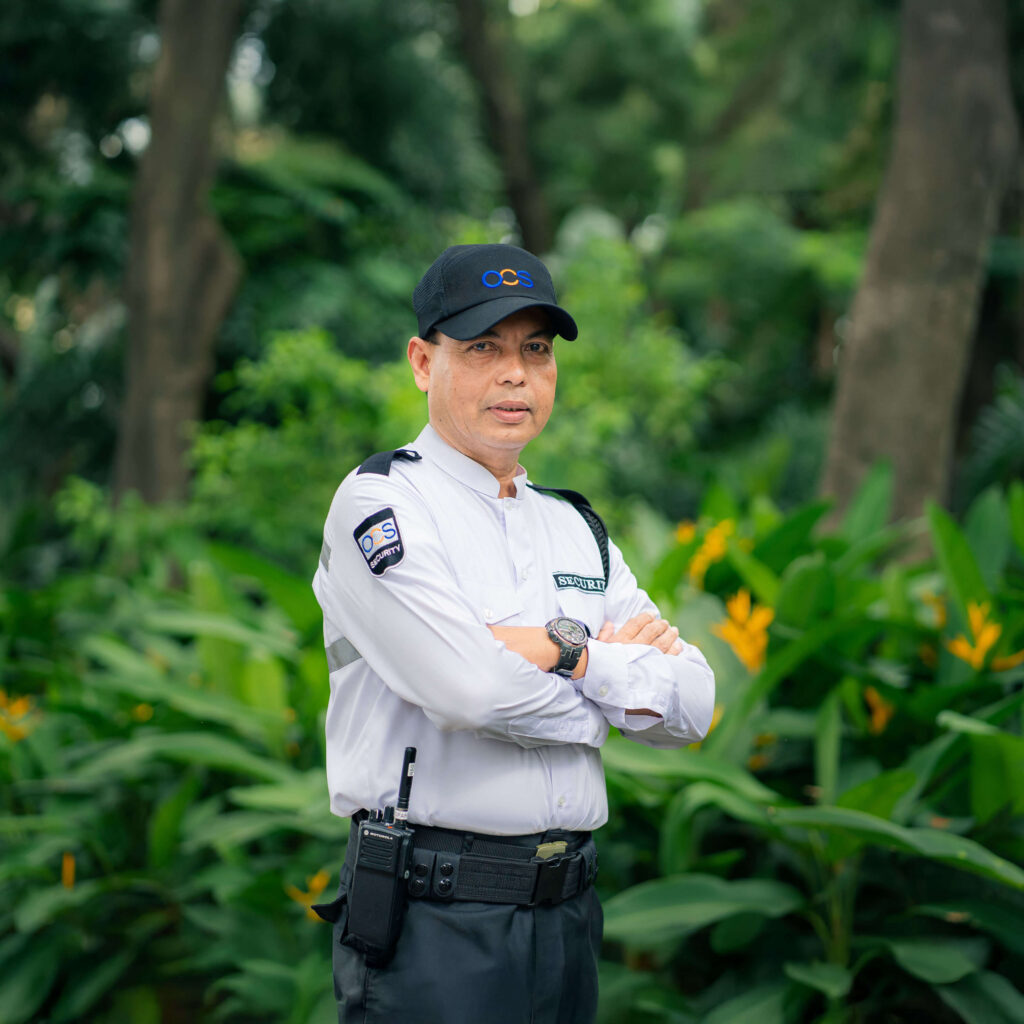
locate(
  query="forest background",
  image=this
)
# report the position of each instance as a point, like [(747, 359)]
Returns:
[(793, 237)]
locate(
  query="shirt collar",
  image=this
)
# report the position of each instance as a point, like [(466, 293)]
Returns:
[(432, 446)]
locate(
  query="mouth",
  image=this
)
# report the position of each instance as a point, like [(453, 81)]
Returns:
[(510, 412)]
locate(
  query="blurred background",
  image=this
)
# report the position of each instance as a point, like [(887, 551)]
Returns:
[(792, 235)]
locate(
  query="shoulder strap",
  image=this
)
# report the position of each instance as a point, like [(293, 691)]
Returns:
[(592, 519), (381, 462)]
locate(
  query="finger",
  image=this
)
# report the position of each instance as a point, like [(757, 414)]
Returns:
[(606, 632), (631, 629), (665, 641), (677, 647), (651, 632)]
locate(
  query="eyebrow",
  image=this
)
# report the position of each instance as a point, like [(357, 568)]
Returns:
[(545, 333)]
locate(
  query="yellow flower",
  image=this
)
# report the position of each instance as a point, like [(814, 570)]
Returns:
[(686, 531), (712, 549), (985, 634), (881, 710), (67, 870), (142, 712), (14, 712), (317, 883), (746, 629)]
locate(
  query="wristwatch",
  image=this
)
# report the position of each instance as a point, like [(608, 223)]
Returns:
[(571, 636)]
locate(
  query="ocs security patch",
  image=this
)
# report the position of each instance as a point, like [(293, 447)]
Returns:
[(379, 540)]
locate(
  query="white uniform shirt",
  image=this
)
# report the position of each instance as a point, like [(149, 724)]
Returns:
[(415, 566)]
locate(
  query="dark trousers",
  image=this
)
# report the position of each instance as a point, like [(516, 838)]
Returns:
[(476, 963)]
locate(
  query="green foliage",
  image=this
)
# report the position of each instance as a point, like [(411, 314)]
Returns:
[(865, 766), (848, 840)]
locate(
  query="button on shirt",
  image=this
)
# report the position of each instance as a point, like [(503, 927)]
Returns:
[(502, 747)]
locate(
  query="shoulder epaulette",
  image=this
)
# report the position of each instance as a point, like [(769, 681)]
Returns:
[(381, 462), (592, 519)]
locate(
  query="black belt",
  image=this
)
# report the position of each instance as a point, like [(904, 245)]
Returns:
[(449, 864)]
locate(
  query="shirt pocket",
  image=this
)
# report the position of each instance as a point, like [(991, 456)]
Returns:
[(588, 608), (497, 604)]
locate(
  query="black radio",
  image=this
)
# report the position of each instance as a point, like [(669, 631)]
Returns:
[(377, 896)]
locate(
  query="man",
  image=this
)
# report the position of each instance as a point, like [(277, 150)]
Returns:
[(493, 627)]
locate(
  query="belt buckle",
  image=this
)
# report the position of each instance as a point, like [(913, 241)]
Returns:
[(551, 874)]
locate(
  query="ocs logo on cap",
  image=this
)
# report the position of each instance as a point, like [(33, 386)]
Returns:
[(379, 541), (496, 278)]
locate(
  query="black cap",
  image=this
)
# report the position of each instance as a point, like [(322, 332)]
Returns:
[(469, 288)]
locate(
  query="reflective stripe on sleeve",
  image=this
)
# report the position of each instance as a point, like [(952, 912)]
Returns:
[(340, 654)]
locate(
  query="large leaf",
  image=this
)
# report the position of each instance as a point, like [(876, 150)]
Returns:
[(791, 538), (831, 979), (955, 850), (807, 593), (826, 748), (987, 532), (936, 960), (306, 792), (957, 561), (29, 970), (997, 774), (984, 998), (225, 627), (766, 1004), (130, 757), (670, 908), (621, 755), (759, 579), (870, 508), (292, 594), (1017, 514), (1000, 920)]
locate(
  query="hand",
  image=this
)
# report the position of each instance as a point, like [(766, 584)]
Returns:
[(644, 629)]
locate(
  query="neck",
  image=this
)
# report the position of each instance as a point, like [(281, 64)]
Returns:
[(502, 464)]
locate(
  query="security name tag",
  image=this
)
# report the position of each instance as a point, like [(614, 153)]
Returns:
[(380, 541)]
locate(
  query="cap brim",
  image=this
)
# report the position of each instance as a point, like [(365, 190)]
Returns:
[(472, 322)]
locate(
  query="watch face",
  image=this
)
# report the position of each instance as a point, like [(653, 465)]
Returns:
[(571, 632)]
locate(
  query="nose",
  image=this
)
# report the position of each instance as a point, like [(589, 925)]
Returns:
[(511, 370)]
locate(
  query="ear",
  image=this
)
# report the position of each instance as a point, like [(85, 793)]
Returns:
[(419, 354)]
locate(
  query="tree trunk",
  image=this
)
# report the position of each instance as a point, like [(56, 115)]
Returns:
[(182, 271), (506, 122), (902, 368)]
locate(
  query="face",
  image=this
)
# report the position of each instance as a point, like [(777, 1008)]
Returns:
[(490, 396)]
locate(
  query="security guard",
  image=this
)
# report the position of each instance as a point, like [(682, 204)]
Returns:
[(492, 626)]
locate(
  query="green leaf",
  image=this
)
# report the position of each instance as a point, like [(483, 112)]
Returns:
[(165, 825), (29, 971), (766, 1004), (41, 906), (791, 538), (1017, 514), (870, 508), (937, 961), (1001, 921), (668, 908), (831, 979), (987, 532), (621, 755), (735, 933), (956, 560), (761, 581), (984, 998), (955, 850), (292, 594), (130, 757), (309, 791), (826, 748), (807, 593), (198, 624), (997, 775), (83, 990)]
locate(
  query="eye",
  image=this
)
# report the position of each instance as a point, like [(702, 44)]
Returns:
[(538, 347)]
